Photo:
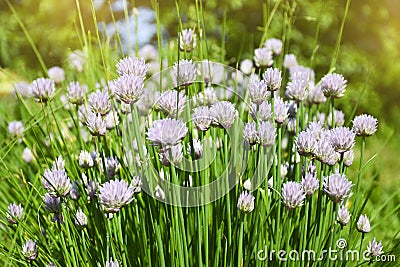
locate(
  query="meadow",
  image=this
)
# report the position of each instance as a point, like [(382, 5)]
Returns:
[(194, 146)]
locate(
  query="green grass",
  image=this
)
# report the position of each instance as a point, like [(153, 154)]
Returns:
[(148, 232)]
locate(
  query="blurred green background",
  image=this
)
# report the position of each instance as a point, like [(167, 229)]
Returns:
[(369, 55)]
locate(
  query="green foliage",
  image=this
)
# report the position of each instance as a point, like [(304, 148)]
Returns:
[(148, 232)]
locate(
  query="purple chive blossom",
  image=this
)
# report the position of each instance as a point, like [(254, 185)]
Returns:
[(348, 158), (99, 103), (29, 250), (207, 97), (172, 154), (293, 195), (258, 91), (342, 139), (80, 219), (333, 85), (128, 88), (306, 143), (16, 128), (56, 182), (365, 125), (266, 133), (250, 133), (246, 202), (374, 248), (297, 89), (223, 114), (202, 118), (76, 93), (183, 73), (337, 187), (187, 40), (338, 116), (112, 263), (290, 61), (43, 89), (85, 160), (343, 216), (115, 194), (96, 124), (132, 66), (112, 166), (274, 45), (363, 225), (281, 111), (167, 132), (15, 213), (303, 73), (53, 205), (263, 57), (262, 112), (325, 152), (171, 103), (310, 183), (273, 79), (316, 96), (57, 74)]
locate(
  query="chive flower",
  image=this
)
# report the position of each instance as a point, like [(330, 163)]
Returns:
[(363, 225), (246, 202), (128, 88), (167, 132), (115, 194), (343, 216), (76, 93), (365, 125), (43, 89), (337, 187), (132, 66), (333, 85), (374, 248), (30, 250), (223, 114), (15, 213), (187, 40), (293, 195)]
